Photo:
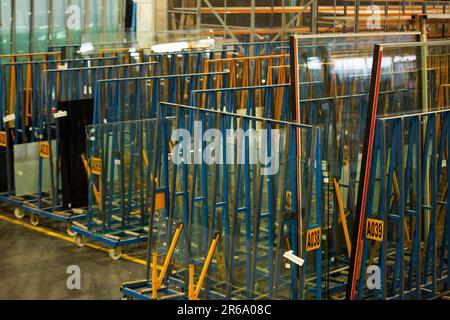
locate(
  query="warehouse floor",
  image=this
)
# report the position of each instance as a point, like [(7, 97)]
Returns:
[(33, 265)]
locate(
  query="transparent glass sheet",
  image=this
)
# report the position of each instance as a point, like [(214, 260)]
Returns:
[(23, 85), (335, 73), (248, 196), (35, 101), (123, 150), (251, 70), (26, 168), (75, 80), (271, 101), (409, 173), (414, 79), (138, 98), (183, 61), (247, 207)]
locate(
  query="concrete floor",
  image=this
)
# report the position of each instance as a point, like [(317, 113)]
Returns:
[(33, 266)]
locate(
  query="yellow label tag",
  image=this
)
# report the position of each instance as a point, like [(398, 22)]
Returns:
[(375, 230), (160, 201), (289, 200), (3, 139), (313, 239), (44, 150), (96, 166)]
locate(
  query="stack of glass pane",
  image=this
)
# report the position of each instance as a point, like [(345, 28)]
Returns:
[(335, 73), (220, 173), (409, 175)]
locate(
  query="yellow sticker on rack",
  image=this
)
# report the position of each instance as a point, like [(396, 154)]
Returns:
[(289, 200), (3, 139), (44, 150), (160, 201), (375, 230), (97, 166), (313, 239)]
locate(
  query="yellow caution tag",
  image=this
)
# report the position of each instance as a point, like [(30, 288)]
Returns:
[(3, 139), (96, 166), (313, 239), (375, 230), (44, 150)]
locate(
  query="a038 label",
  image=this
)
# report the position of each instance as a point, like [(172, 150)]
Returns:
[(313, 239), (375, 230)]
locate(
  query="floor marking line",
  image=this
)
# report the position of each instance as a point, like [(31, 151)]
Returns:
[(66, 238)]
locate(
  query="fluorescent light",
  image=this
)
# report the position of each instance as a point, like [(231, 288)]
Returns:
[(170, 47), (183, 45), (86, 47)]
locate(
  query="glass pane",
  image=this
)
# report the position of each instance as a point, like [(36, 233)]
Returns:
[(215, 173), (409, 171), (335, 73)]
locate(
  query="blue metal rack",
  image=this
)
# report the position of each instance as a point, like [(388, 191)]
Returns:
[(25, 110), (129, 99), (238, 202), (333, 87), (404, 233), (57, 86), (184, 62), (274, 100), (413, 256)]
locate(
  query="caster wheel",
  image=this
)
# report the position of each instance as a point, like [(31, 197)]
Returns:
[(80, 240), (19, 213), (115, 254), (34, 219), (69, 231)]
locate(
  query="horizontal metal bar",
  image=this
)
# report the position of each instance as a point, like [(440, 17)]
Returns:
[(103, 67), (165, 77), (412, 115), (356, 35), (233, 115)]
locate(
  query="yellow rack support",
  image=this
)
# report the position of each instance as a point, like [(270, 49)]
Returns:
[(194, 293), (337, 189), (157, 280)]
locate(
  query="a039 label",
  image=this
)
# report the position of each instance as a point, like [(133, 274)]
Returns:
[(313, 239), (375, 230)]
